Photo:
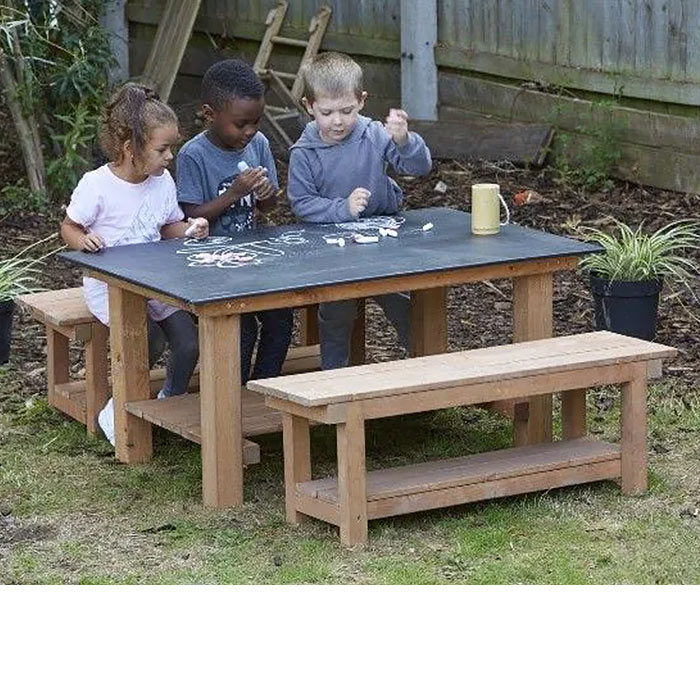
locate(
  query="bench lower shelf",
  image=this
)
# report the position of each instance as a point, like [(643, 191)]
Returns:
[(451, 482)]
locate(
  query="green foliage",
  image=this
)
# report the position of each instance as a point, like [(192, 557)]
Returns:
[(18, 274), (63, 80), (635, 254), (589, 163), (19, 198)]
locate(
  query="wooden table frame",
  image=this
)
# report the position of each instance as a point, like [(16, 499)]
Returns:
[(219, 335)]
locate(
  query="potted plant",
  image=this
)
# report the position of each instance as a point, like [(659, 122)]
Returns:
[(627, 275), (17, 276)]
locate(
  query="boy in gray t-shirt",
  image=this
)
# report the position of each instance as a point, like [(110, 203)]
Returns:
[(212, 182)]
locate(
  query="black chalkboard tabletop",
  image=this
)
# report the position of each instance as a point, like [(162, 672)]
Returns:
[(302, 256)]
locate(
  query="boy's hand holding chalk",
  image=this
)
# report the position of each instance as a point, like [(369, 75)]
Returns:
[(261, 187), (92, 243), (198, 228), (358, 200), (397, 126)]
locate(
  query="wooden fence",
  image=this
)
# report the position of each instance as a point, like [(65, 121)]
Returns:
[(513, 60)]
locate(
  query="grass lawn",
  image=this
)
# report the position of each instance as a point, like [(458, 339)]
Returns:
[(72, 514)]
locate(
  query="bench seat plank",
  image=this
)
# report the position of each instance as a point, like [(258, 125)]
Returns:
[(461, 369), (58, 307), (459, 471)]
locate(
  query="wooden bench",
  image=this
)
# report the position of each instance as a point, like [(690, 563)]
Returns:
[(66, 318), (348, 397)]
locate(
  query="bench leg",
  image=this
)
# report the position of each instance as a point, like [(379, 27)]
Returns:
[(532, 320), (352, 489), (96, 384), (634, 433), (573, 414), (297, 461), (57, 362)]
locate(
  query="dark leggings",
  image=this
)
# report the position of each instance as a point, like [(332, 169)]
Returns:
[(179, 332), (275, 329)]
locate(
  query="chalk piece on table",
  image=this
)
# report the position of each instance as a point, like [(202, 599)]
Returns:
[(341, 242), (427, 226), (362, 238), (393, 233)]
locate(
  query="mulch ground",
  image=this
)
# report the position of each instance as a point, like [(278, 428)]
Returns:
[(479, 315)]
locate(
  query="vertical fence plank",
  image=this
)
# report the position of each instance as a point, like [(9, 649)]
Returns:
[(546, 47), (562, 24)]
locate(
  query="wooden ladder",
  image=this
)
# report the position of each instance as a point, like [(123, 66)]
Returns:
[(279, 79)]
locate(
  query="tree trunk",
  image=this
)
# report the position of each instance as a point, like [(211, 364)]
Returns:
[(27, 131)]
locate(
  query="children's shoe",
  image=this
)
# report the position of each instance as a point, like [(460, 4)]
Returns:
[(105, 420)]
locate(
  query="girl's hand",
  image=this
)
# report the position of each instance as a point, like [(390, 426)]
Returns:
[(397, 126), (197, 228), (358, 200), (92, 243)]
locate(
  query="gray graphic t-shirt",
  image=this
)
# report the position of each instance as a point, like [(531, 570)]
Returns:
[(205, 171)]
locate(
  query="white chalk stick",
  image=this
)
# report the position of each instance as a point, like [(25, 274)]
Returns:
[(392, 233), (427, 227), (243, 166), (341, 242), (189, 231), (362, 238)]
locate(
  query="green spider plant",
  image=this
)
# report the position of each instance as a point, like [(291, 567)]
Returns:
[(18, 274), (631, 255)]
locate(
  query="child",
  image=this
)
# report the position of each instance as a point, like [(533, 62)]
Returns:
[(213, 182), (132, 199), (337, 172)]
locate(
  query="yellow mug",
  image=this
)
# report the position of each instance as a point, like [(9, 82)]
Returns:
[(486, 214)]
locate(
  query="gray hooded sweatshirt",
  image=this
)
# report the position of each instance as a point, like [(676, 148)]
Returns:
[(322, 175)]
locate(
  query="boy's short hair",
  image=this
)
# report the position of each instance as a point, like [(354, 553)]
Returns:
[(332, 74), (228, 80)]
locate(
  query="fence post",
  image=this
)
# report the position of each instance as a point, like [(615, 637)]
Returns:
[(419, 78)]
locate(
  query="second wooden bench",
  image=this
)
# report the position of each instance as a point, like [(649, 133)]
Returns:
[(348, 397)]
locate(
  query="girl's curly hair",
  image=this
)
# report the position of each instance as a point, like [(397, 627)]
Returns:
[(132, 111)]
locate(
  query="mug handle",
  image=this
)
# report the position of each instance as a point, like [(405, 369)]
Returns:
[(503, 202)]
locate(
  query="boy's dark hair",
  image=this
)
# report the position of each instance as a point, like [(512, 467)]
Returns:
[(230, 79), (131, 112)]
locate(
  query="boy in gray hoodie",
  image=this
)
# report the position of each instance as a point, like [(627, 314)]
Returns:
[(337, 173)]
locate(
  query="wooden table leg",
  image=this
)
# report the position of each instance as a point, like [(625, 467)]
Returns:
[(308, 330), (532, 320), (428, 321), (297, 461), (220, 407), (634, 433), (352, 489), (357, 338), (130, 377)]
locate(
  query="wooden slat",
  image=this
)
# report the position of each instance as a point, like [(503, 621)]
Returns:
[(495, 364), (59, 307), (303, 358), (634, 435), (181, 415), (96, 375), (477, 138), (57, 362), (428, 321), (459, 471), (172, 36), (351, 491), (510, 486), (573, 414), (273, 22)]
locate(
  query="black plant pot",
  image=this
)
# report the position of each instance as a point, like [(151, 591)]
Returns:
[(629, 308), (7, 308)]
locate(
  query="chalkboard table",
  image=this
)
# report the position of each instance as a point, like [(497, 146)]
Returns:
[(296, 265)]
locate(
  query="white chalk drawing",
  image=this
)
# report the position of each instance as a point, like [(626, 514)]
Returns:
[(221, 251), (372, 223)]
